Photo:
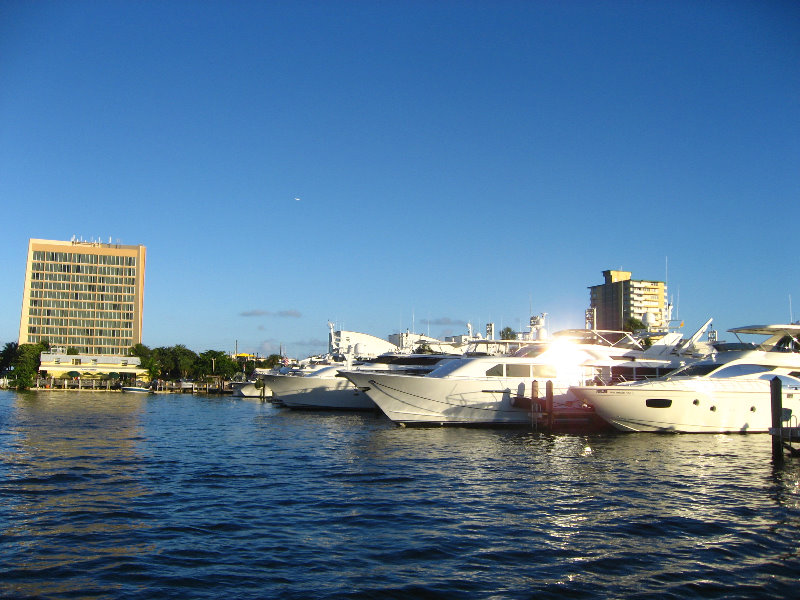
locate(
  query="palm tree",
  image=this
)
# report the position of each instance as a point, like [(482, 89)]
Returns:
[(8, 355)]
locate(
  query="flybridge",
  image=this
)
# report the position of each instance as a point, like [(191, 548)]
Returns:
[(784, 338), (792, 328)]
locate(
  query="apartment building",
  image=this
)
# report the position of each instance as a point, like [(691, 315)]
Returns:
[(84, 295), (620, 298)]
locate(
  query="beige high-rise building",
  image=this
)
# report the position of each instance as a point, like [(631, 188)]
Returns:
[(83, 295), (620, 298)]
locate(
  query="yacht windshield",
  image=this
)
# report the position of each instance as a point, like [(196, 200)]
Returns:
[(718, 371), (785, 379), (741, 369), (446, 368), (787, 343), (530, 351), (693, 370)]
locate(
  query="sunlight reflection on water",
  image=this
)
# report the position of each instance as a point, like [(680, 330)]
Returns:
[(143, 496)]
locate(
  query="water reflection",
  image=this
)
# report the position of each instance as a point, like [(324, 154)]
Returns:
[(786, 477), (170, 495), (69, 466), (628, 510)]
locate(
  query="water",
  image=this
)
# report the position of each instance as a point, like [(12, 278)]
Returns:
[(177, 496)]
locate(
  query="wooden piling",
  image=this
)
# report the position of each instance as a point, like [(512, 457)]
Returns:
[(777, 418), (535, 409)]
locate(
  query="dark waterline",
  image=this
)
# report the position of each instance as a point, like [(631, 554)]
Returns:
[(175, 496)]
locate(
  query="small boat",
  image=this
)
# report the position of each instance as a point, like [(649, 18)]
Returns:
[(135, 389)]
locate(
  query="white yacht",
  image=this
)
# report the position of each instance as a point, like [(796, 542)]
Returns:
[(319, 388), (250, 389), (726, 392), (486, 389), (323, 388)]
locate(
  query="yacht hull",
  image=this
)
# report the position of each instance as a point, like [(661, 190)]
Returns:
[(335, 393), (410, 400), (249, 390), (696, 407)]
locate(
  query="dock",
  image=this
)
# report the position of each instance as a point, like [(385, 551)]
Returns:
[(785, 430), (55, 384), (545, 417)]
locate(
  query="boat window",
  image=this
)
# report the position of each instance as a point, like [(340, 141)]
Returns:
[(495, 371), (740, 369), (429, 359), (409, 359), (786, 344), (785, 379), (530, 351), (658, 402), (730, 346), (447, 367), (544, 371), (384, 359), (694, 370), (518, 370)]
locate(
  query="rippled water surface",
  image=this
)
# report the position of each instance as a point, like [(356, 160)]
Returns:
[(176, 496)]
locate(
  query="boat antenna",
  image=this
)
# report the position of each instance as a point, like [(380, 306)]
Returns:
[(791, 315)]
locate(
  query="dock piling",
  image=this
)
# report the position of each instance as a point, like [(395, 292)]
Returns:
[(777, 415)]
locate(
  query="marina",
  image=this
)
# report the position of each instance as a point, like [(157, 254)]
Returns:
[(577, 381), (399, 301), (482, 389), (193, 496)]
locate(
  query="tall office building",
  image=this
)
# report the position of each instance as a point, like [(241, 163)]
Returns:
[(621, 298), (83, 295)]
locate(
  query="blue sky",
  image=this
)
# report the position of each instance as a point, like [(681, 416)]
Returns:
[(395, 165)]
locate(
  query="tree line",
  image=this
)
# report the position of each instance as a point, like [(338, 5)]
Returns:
[(179, 362), (20, 363)]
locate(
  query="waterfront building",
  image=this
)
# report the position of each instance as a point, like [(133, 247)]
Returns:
[(83, 295), (57, 363), (621, 298)]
